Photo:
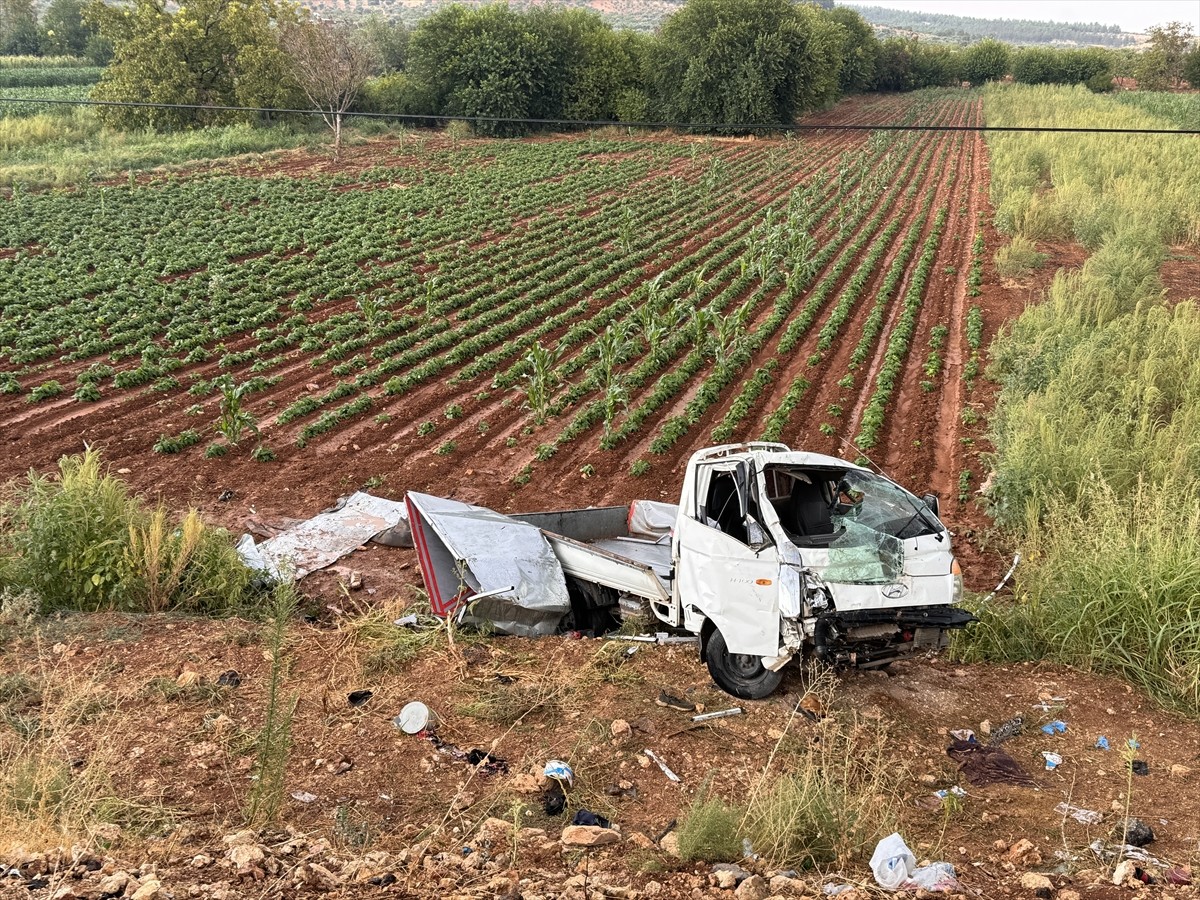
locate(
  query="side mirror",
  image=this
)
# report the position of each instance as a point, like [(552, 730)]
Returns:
[(931, 500)]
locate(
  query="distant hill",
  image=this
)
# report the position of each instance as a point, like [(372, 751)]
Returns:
[(641, 15), (965, 30), (647, 15)]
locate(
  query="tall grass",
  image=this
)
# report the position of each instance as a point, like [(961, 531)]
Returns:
[(1182, 109), (49, 62), (823, 799), (48, 794), (1096, 472), (1112, 584), (273, 744), (68, 147), (82, 541), (1101, 184)]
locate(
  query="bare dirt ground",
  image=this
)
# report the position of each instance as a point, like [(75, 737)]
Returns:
[(363, 800)]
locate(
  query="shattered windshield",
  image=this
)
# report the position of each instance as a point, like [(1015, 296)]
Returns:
[(859, 517), (882, 505)]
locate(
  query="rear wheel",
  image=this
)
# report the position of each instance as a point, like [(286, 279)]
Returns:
[(739, 674)]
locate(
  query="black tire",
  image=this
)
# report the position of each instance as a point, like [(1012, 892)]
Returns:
[(738, 674)]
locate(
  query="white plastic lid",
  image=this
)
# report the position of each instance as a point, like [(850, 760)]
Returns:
[(413, 718)]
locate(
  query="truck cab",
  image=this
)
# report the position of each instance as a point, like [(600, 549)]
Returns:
[(778, 553)]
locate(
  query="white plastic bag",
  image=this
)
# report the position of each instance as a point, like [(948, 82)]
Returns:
[(892, 862)]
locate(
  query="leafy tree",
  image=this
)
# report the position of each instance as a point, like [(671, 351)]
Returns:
[(608, 80), (893, 65), (987, 60), (330, 64), (388, 41), (1162, 66), (860, 51), (65, 33), (480, 62), (935, 65), (1041, 65), (207, 52), (1191, 67), (733, 61), (19, 34)]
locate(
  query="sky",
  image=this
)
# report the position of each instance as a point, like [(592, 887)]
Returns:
[(1130, 15)]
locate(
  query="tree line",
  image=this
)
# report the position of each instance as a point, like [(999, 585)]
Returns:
[(718, 62), (964, 29)]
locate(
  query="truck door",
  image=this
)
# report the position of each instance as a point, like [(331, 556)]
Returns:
[(726, 566)]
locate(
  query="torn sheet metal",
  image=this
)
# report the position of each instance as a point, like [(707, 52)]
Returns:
[(328, 536), (466, 550)]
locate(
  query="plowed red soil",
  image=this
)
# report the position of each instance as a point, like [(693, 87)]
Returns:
[(353, 780)]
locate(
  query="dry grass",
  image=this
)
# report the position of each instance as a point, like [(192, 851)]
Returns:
[(53, 791)]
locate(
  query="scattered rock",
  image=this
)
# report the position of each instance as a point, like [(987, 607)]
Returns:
[(652, 888), (527, 784), (670, 844), (753, 888), (1024, 853), (782, 884), (640, 841), (245, 853), (150, 889), (1124, 872), (463, 801), (113, 884), (589, 836), (724, 879), (317, 876), (1067, 894), (727, 876), (188, 678), (201, 861), (620, 728), (1038, 885), (495, 832), (1179, 773)]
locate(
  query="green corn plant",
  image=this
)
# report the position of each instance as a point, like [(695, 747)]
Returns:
[(539, 381), (700, 326), (234, 419), (612, 348)]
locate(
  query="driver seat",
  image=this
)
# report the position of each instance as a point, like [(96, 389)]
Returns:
[(811, 517)]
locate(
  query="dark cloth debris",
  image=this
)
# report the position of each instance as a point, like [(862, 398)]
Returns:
[(486, 762), (1137, 832), (358, 698), (615, 790), (554, 801), (230, 679), (1139, 767), (987, 765), (672, 702), (492, 765), (587, 817)]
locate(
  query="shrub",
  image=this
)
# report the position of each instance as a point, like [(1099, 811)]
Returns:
[(709, 830), (1018, 258), (82, 542)]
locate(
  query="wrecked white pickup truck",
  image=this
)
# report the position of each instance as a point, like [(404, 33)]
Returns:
[(772, 555)]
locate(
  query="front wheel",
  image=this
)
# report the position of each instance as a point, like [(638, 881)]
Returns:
[(739, 674)]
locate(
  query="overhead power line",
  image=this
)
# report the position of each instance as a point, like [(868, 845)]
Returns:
[(602, 123)]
